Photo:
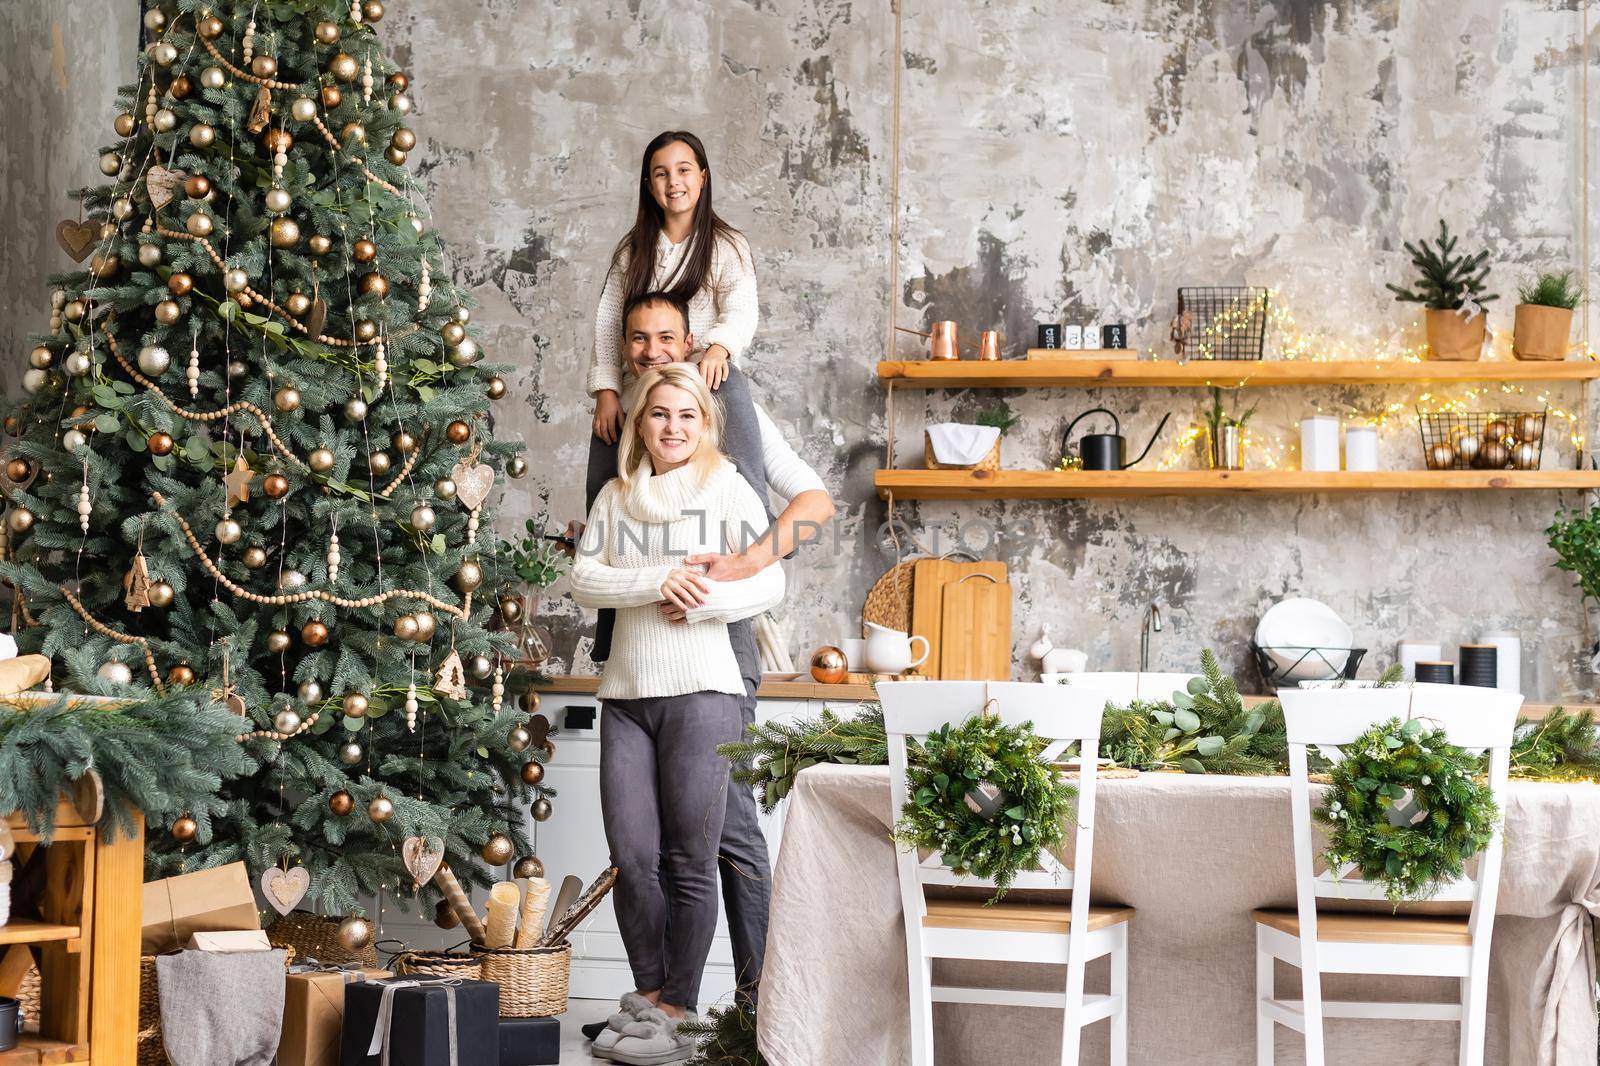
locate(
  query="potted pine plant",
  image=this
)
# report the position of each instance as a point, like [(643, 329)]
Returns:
[(1450, 287), (1544, 317)]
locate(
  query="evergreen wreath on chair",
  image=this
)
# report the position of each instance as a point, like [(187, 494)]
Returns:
[(982, 796), (1407, 808)]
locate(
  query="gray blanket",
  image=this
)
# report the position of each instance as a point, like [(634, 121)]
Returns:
[(221, 1008)]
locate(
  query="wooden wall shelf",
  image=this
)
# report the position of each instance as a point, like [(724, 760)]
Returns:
[(1095, 484), (1084, 373)]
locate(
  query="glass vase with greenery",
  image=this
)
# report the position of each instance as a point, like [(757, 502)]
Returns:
[(538, 560), (1225, 446)]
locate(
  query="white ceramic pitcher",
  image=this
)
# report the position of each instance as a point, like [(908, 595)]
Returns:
[(889, 650)]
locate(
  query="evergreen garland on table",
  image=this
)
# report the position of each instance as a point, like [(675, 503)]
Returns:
[(959, 773), (1562, 747), (776, 751), (1414, 859)]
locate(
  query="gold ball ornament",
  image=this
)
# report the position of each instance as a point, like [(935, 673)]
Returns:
[(405, 627), (542, 810), (298, 303), (1494, 456), (255, 557), (528, 866), (1529, 428), (41, 358), (160, 443), (366, 330), (469, 577), (355, 409), (210, 27), (197, 187), (314, 633), (110, 163), (168, 312), (379, 463), (445, 916), (104, 266), (181, 675), (200, 224), (332, 96), (498, 850), (116, 673), (180, 284), (284, 233), (278, 641), (350, 753), (121, 208), (75, 310), (155, 20), (21, 520), (202, 135), (374, 284), (400, 103), (320, 460), (481, 667), (353, 132), (395, 156), (427, 625), (516, 467), (319, 244), (398, 81), (276, 486), (286, 399), (510, 609), (533, 771), (458, 432), (213, 78), (496, 387), (422, 518), (341, 803), (124, 125), (529, 701), (445, 488), (380, 809), (19, 469), (344, 67), (453, 333), (165, 120), (403, 139), (161, 594), (304, 109), (1440, 457), (364, 251), (354, 705), (149, 255), (355, 932), (264, 67), (372, 10), (327, 33), (180, 87), (287, 720), (1496, 430), (1525, 456), (519, 740), (235, 280), (229, 531), (1467, 446), (184, 829), (828, 665)]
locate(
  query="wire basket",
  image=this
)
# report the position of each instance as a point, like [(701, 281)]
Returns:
[(1284, 665), (1482, 440), (1220, 322)]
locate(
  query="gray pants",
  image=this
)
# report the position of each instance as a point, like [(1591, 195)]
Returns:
[(664, 798)]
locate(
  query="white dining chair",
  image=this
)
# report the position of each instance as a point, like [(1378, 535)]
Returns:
[(1384, 942), (1069, 933), (1124, 686)]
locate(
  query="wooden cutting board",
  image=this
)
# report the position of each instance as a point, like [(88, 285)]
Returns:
[(976, 631), (929, 577)]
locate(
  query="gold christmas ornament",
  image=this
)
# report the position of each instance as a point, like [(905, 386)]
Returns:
[(828, 665), (287, 720), (372, 10), (180, 87), (379, 463), (160, 443), (510, 609), (202, 136), (530, 700), (356, 409), (229, 531), (374, 284), (350, 753), (197, 187), (344, 67), (380, 809), (264, 67), (470, 576), (458, 432), (116, 673), (180, 284), (445, 488), (278, 641), (286, 399), (184, 829), (444, 915), (1440, 457), (200, 224), (124, 125), (497, 850), (403, 139), (353, 131), (304, 109), (1494, 456), (481, 667), (209, 27), (364, 251), (1467, 447), (1496, 430), (110, 163), (400, 104), (496, 388), (181, 675), (104, 266), (405, 627), (19, 470), (212, 78), (1525, 456), (320, 244), (314, 633), (533, 772), (161, 594), (398, 81), (528, 866), (341, 803), (168, 312), (310, 691), (516, 467), (355, 933), (332, 97), (276, 486), (165, 121), (395, 156), (519, 739), (298, 303), (542, 810), (366, 330), (453, 333), (255, 557), (327, 33), (422, 518), (426, 625), (354, 705), (320, 460), (153, 360), (284, 233), (235, 280), (1529, 428)]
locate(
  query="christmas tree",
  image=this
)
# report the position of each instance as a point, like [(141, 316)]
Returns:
[(255, 462)]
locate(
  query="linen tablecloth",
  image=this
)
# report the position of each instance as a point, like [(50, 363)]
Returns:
[(1194, 854)]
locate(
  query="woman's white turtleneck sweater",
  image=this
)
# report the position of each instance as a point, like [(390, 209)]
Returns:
[(639, 533)]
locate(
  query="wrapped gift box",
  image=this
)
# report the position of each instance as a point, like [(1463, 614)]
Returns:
[(230, 940), (214, 900), (530, 1041), (417, 1026), (313, 1014)]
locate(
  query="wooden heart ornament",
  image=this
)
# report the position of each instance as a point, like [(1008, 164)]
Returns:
[(284, 889), (163, 183), (422, 856), (473, 482), (77, 239)]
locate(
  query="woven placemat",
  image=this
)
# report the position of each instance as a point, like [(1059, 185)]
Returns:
[(889, 600)]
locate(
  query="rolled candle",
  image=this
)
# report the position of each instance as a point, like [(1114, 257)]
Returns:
[(504, 901), (459, 903), (534, 902)]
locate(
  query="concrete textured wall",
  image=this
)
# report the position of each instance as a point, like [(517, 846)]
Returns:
[(1057, 162)]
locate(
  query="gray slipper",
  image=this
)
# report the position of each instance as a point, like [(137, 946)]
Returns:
[(663, 1044), (602, 1044)]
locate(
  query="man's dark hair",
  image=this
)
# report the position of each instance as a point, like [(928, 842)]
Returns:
[(655, 299)]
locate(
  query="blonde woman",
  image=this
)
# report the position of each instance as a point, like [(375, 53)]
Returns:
[(671, 689)]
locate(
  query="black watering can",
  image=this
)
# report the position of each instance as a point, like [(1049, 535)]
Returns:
[(1107, 451)]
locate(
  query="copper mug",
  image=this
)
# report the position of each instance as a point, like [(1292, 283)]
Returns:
[(989, 345), (942, 342)]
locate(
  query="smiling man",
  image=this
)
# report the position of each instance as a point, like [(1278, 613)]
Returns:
[(656, 331)]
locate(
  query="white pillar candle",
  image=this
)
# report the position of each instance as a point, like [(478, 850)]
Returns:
[(1319, 443), (1412, 652), (1508, 659), (1361, 448)]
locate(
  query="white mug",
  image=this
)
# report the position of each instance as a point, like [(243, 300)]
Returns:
[(855, 653)]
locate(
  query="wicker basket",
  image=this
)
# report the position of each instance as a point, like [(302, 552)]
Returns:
[(888, 602), (436, 964), (314, 936), (988, 462), (533, 981), (150, 1049)]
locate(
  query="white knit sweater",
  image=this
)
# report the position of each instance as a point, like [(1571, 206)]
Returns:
[(724, 311), (638, 535)]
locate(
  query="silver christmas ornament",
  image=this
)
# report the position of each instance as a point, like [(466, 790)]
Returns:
[(286, 720), (34, 379), (350, 753), (304, 109), (116, 673), (73, 439), (154, 360), (310, 691), (149, 255), (291, 579), (229, 531), (355, 410), (235, 280)]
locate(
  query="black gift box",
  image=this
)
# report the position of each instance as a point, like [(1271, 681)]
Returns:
[(530, 1041), (419, 1025)]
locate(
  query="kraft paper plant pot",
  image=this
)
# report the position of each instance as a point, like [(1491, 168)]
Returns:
[(1541, 332), (1453, 338)]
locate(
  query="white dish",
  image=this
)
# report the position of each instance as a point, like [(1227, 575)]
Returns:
[(1291, 626)]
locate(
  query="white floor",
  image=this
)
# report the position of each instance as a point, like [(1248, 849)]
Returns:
[(574, 1048)]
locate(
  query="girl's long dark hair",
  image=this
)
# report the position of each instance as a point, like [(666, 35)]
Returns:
[(640, 242)]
